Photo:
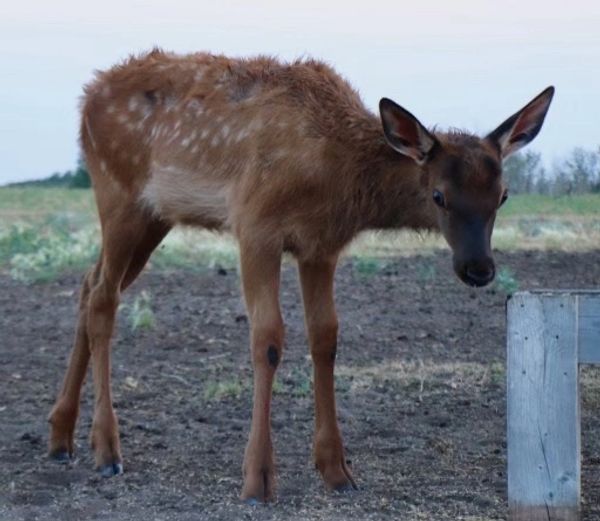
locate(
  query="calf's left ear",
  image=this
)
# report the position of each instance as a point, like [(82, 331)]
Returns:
[(523, 126)]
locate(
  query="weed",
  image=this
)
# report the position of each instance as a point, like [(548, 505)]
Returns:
[(497, 373), (506, 281), (278, 387), (302, 385), (368, 265), (295, 383), (141, 315), (425, 273), (221, 390)]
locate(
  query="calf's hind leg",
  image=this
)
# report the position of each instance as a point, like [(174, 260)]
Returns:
[(63, 416), (127, 247), (126, 251)]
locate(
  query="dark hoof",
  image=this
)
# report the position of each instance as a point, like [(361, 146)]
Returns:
[(110, 470), (252, 502), (60, 456), (346, 488)]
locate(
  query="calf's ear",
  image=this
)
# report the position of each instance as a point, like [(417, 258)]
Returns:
[(523, 126), (405, 133)]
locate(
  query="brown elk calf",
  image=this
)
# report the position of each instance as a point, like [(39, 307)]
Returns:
[(287, 158)]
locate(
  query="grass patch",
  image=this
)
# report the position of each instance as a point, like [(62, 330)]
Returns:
[(224, 389), (544, 205), (34, 254), (195, 249), (423, 376), (36, 204)]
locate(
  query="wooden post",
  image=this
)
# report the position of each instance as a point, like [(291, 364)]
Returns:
[(543, 442), (589, 327)]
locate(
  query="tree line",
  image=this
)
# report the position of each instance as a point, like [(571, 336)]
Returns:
[(78, 178), (579, 173)]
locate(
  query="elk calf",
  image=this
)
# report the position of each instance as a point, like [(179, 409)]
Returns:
[(287, 158)]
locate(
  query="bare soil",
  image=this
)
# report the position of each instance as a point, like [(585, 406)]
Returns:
[(421, 395)]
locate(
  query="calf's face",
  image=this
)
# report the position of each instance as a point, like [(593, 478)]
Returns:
[(463, 175)]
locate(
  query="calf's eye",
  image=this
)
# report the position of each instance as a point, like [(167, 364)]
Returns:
[(438, 198)]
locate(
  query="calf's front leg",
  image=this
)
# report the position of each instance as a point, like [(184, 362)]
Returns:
[(260, 279), (316, 279)]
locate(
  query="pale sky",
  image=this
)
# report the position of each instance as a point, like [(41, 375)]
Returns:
[(467, 64)]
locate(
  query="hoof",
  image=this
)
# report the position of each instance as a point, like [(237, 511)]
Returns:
[(60, 456), (252, 502), (346, 488), (110, 470)]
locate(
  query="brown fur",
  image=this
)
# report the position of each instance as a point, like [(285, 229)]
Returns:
[(287, 158)]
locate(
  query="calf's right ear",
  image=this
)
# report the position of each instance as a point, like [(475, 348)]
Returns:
[(405, 133)]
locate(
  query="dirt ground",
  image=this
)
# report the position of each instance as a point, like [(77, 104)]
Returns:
[(421, 394)]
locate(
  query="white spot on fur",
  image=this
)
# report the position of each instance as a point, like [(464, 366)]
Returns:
[(170, 103), (122, 118), (254, 125), (215, 141), (242, 134), (146, 112), (198, 76), (133, 104), (204, 134), (110, 109), (194, 149), (103, 167), (173, 137), (225, 130), (196, 106), (89, 132), (185, 141)]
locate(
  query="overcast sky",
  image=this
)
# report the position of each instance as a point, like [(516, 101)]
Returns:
[(466, 64)]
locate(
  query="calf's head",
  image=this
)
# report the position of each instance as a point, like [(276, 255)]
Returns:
[(463, 176)]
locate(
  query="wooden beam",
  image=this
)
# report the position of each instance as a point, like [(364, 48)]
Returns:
[(543, 407)]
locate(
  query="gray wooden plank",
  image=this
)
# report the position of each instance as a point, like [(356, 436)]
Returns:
[(543, 406), (589, 328)]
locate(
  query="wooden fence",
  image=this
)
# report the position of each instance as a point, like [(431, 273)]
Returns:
[(550, 333)]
